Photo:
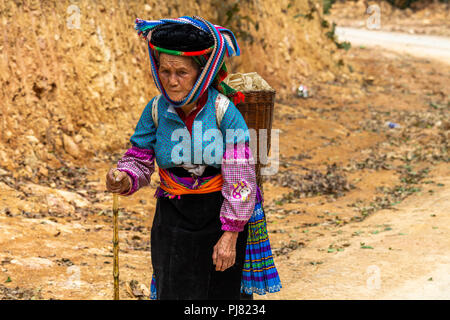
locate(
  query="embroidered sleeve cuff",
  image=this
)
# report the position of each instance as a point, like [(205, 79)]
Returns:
[(139, 164), (232, 225), (142, 154)]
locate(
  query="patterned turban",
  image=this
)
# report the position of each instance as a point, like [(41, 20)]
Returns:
[(193, 36)]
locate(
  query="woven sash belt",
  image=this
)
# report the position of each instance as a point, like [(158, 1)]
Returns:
[(187, 185)]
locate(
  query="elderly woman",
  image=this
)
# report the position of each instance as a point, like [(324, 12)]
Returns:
[(208, 190)]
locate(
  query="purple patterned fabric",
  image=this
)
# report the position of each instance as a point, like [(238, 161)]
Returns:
[(239, 187), (259, 197), (139, 164)]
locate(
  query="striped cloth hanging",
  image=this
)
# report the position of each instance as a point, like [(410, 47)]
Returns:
[(259, 274)]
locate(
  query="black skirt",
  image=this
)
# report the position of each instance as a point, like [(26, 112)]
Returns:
[(183, 235)]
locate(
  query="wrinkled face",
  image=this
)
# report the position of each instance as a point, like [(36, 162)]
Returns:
[(178, 75)]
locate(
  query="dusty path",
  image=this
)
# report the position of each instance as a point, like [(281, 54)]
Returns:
[(400, 253), (394, 254), (433, 47)]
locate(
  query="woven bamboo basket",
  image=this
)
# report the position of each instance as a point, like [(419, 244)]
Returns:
[(257, 110)]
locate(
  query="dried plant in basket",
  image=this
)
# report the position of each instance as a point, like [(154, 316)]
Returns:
[(257, 109)]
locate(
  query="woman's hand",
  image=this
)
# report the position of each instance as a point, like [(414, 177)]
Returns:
[(224, 254), (120, 184)]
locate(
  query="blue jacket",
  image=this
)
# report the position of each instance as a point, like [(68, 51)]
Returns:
[(164, 142)]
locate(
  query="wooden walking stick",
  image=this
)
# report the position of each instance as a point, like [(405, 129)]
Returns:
[(116, 241)]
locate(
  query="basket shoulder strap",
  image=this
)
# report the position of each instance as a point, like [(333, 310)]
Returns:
[(221, 104), (155, 110)]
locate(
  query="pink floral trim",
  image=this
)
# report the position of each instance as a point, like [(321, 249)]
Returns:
[(241, 190), (229, 224)]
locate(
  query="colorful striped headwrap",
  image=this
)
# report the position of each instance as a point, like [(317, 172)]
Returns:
[(214, 71)]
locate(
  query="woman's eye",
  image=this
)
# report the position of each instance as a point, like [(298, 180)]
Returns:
[(182, 73)]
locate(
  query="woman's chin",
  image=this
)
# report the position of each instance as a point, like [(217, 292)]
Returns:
[(175, 97)]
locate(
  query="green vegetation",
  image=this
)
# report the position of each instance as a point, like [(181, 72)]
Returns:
[(327, 4)]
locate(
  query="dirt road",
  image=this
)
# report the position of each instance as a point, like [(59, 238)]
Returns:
[(425, 46), (400, 253), (387, 237), (394, 254)]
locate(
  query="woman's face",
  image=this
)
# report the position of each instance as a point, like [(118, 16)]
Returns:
[(178, 75)]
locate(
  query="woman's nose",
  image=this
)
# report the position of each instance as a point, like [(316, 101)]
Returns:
[(173, 81)]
